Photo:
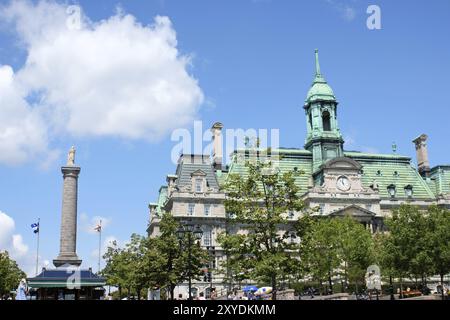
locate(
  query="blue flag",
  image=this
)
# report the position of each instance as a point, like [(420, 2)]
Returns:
[(35, 227)]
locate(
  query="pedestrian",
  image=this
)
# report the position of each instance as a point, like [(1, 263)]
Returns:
[(201, 296), (21, 292)]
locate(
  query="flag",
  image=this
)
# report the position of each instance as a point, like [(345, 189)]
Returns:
[(35, 227), (98, 228)]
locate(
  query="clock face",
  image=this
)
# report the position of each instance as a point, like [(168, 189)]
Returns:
[(343, 183)]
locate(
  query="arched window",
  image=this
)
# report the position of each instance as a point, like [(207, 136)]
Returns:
[(310, 121), (326, 121)]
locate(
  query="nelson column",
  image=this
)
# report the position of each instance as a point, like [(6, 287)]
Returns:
[(68, 241)]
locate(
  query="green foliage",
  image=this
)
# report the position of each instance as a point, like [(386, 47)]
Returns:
[(153, 262), (336, 247), (438, 239), (407, 242), (10, 274), (259, 202), (416, 245)]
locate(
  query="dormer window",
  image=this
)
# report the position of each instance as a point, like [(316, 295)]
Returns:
[(392, 190), (396, 174), (409, 191), (379, 173), (198, 185), (198, 179)]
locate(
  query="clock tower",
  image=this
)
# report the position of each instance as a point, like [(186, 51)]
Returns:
[(323, 138)]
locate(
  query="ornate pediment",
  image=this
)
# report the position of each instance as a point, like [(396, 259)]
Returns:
[(342, 163), (353, 211), (198, 173)]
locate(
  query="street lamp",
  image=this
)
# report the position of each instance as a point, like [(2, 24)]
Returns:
[(192, 232)]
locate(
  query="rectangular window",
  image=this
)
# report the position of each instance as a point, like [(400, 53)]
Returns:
[(322, 209), (207, 209), (198, 185), (191, 208), (207, 238), (291, 214)]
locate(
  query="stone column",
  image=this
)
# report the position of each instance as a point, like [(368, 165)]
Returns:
[(68, 240)]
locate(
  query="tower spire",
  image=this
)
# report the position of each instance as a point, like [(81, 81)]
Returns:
[(317, 63)]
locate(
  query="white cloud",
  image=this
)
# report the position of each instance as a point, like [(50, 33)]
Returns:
[(345, 9), (13, 243), (23, 133), (115, 77), (17, 249), (9, 241)]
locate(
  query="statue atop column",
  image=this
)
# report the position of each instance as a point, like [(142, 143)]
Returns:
[(71, 156)]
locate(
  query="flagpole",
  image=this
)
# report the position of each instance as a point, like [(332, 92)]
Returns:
[(37, 247), (99, 245)]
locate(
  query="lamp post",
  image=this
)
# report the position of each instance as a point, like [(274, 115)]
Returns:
[(192, 232)]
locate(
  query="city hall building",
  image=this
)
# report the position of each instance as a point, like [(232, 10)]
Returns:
[(333, 181)]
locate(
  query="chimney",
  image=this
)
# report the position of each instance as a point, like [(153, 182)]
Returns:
[(423, 165), (217, 153)]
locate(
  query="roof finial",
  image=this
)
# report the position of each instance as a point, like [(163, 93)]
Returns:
[(317, 63), (394, 147)]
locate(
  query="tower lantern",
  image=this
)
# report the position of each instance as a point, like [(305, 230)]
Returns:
[(323, 138)]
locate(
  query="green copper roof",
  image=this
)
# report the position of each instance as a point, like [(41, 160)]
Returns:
[(440, 175), (320, 90), (392, 169), (386, 169)]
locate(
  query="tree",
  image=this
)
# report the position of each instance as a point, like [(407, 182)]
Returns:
[(10, 274), (166, 258), (384, 256), (116, 268), (318, 251), (355, 249), (259, 202), (438, 239), (336, 246), (407, 233), (153, 262)]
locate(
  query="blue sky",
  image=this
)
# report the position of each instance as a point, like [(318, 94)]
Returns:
[(251, 63)]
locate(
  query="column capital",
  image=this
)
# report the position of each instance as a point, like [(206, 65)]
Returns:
[(70, 171)]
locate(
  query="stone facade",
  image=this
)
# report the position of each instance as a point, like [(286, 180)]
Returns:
[(333, 182)]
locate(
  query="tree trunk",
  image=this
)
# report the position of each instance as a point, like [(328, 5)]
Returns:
[(139, 294), (274, 287), (330, 282), (442, 286), (172, 292), (401, 288), (120, 293)]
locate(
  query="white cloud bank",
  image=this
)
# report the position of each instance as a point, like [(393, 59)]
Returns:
[(17, 249), (13, 243), (115, 77)]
